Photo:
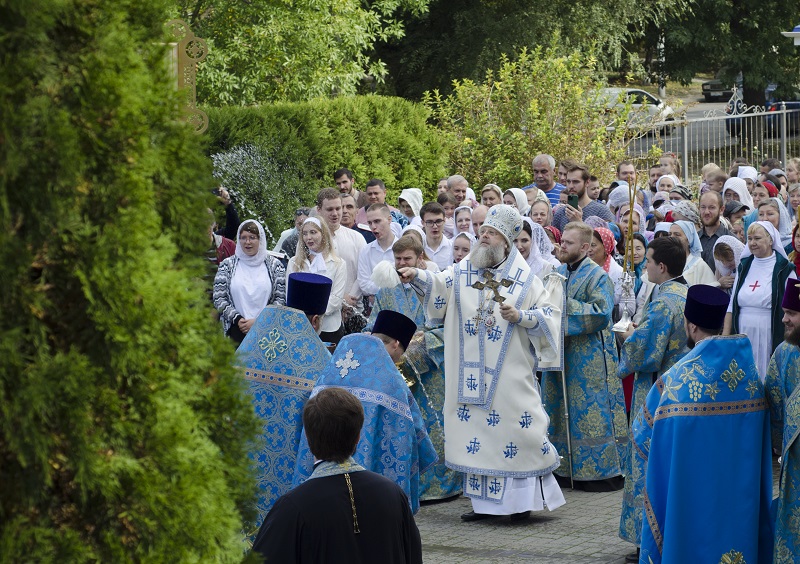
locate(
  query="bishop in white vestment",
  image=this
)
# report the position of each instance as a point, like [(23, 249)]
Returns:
[(501, 324)]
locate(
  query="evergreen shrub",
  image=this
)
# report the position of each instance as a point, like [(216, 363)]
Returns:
[(276, 157), (124, 430)]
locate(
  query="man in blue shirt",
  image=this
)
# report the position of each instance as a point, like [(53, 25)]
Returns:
[(543, 178)]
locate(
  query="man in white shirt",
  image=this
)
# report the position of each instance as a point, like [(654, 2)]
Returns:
[(438, 247), (379, 220), (347, 243)]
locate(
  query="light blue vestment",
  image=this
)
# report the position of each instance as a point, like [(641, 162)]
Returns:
[(704, 434), (598, 424), (655, 345), (394, 442), (424, 363), (281, 357), (783, 396)]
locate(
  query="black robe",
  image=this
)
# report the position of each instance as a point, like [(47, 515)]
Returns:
[(313, 523)]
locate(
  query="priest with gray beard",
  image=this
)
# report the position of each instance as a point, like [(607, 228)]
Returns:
[(501, 325)]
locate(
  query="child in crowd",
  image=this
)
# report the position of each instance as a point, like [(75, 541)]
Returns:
[(462, 245)]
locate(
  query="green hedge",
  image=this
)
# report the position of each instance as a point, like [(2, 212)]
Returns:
[(276, 157), (124, 429)]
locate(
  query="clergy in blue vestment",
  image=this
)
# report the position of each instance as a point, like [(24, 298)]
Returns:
[(598, 425), (282, 357), (648, 351), (423, 364), (704, 433), (394, 442), (783, 396)]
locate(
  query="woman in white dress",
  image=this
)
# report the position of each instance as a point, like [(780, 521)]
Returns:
[(755, 307), (315, 254)]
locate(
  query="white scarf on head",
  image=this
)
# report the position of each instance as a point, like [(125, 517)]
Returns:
[(250, 285), (316, 260)]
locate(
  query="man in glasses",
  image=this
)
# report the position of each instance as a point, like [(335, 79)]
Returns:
[(438, 247)]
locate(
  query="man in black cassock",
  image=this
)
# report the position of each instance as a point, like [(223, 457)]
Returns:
[(342, 513)]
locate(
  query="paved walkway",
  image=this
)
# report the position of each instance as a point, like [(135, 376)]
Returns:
[(582, 531)]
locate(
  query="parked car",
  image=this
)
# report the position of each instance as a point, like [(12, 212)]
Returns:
[(739, 113), (717, 91), (645, 108)]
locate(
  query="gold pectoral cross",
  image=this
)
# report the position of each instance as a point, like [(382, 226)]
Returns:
[(493, 285)]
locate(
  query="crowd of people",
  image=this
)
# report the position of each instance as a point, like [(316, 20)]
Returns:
[(506, 301)]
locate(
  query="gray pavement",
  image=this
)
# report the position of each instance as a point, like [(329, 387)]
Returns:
[(584, 530)]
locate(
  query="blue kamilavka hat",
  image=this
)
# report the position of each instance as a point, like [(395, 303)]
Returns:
[(706, 306), (395, 325), (308, 292)]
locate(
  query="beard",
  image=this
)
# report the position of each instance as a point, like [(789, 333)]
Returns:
[(792, 336), (569, 258), (484, 257), (690, 342)]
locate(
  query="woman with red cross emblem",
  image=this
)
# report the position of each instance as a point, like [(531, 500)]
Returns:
[(755, 308)]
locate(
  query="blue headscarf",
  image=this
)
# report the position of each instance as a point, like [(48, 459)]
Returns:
[(690, 231)]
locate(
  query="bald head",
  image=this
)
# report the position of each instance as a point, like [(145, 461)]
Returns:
[(478, 217)]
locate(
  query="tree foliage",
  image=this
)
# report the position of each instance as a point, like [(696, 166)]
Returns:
[(733, 35), (464, 40), (277, 156), (123, 429), (291, 50), (538, 103)]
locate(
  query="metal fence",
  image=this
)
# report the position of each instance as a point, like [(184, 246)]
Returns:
[(720, 137)]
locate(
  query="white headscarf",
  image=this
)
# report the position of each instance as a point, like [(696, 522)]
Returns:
[(739, 187), (455, 217), (675, 181), (785, 223), (662, 227), (250, 284), (261, 255), (521, 199), (535, 259), (774, 235), (316, 259), (748, 172), (413, 196), (736, 246), (543, 244)]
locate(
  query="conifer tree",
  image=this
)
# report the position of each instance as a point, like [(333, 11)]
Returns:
[(123, 427)]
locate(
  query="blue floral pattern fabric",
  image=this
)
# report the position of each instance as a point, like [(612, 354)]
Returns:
[(281, 358), (707, 414), (598, 424), (655, 345), (394, 441), (783, 396), (424, 362)]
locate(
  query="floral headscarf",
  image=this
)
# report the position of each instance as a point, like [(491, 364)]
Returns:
[(609, 244)]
